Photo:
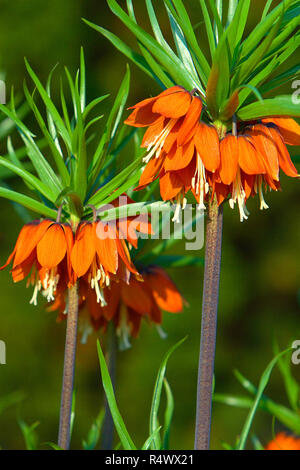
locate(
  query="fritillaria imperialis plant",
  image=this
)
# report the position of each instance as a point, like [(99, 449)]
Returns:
[(63, 249), (218, 129)]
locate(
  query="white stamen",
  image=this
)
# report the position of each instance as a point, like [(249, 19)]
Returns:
[(157, 144), (37, 288), (199, 183), (239, 196)]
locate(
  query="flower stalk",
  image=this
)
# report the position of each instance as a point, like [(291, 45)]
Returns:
[(208, 324), (69, 368)]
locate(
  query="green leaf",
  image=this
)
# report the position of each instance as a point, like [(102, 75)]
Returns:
[(209, 28), (136, 58), (156, 68), (109, 392), (58, 158), (116, 182), (263, 27), (175, 68), (291, 385), (237, 26), (177, 261), (110, 127), (50, 107), (154, 424), (94, 433), (218, 85), (28, 202), (28, 177), (82, 80), (183, 50), (182, 18), (53, 445), (29, 434), (282, 106), (280, 79), (43, 169), (267, 8), (147, 443), (261, 387), (249, 65), (168, 415), (233, 4)]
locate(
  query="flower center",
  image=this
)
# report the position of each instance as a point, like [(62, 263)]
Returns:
[(49, 283), (156, 146), (97, 279), (181, 202), (238, 196), (199, 183), (34, 280), (258, 189)]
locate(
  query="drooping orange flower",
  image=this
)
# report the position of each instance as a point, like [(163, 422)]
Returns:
[(99, 255), (180, 148), (186, 153), (251, 161), (127, 303), (42, 252), (284, 442)]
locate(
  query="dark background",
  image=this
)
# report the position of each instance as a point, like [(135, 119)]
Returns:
[(260, 266)]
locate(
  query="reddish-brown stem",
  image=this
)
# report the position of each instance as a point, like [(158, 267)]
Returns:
[(69, 368), (208, 324)]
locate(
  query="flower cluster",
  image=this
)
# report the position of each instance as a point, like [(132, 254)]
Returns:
[(127, 303), (54, 258), (97, 257), (186, 153)]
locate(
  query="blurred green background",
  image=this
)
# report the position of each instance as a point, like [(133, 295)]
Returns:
[(260, 267)]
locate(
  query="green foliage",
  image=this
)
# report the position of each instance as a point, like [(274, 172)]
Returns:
[(75, 170), (154, 440), (288, 417), (236, 60)]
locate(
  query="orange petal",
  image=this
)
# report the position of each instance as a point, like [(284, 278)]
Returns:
[(151, 171), (153, 131), (288, 127), (135, 296), (248, 182), (170, 185), (112, 297), (250, 160), (181, 158), (208, 146), (52, 248), (172, 136), (142, 116), (28, 239), (222, 191), (134, 321), (190, 121), (70, 243), (106, 247), (164, 290), (84, 250), (263, 142), (187, 174), (285, 161), (229, 159), (22, 270), (172, 105), (125, 255)]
